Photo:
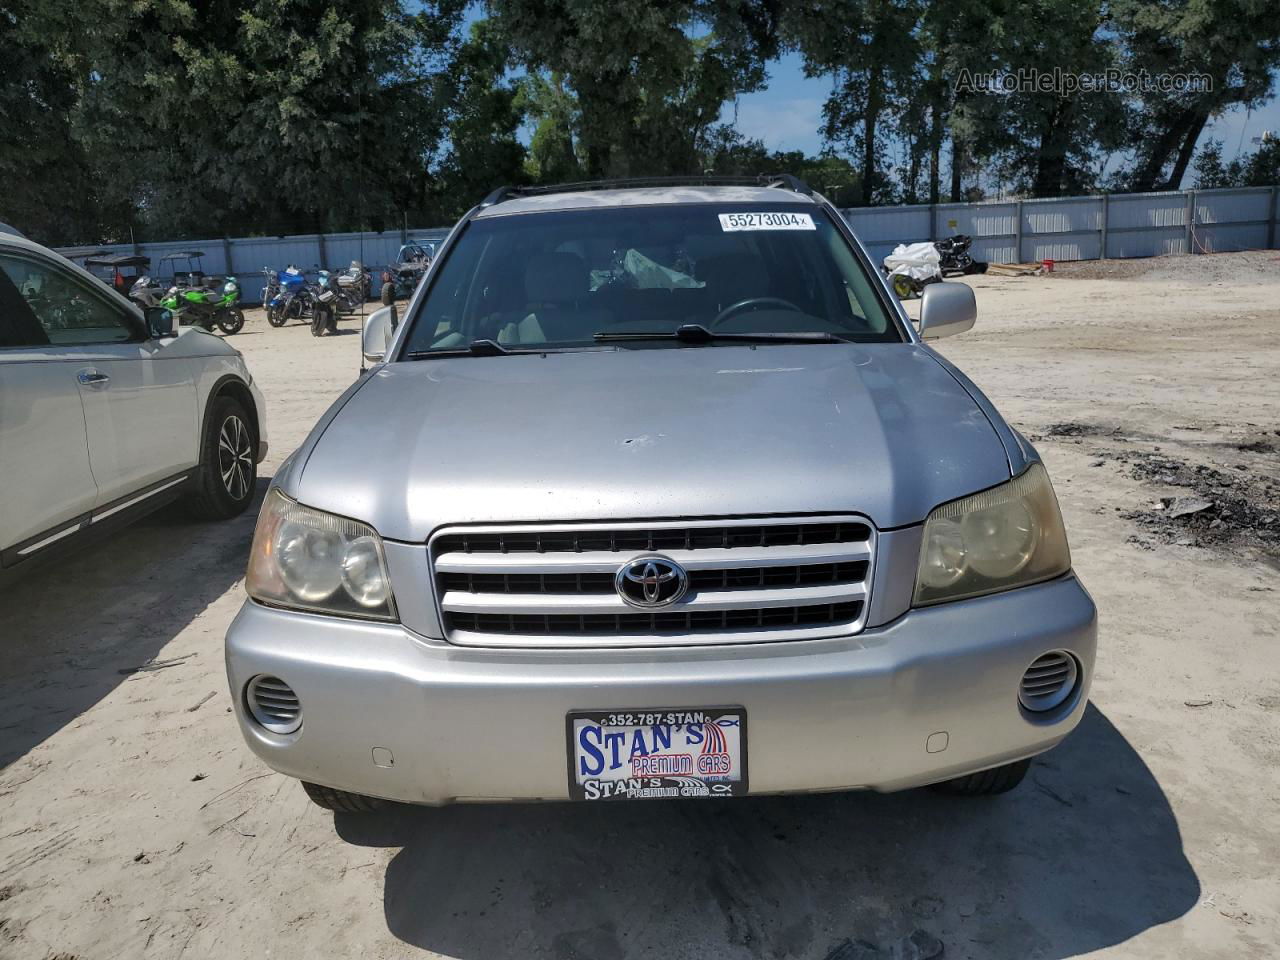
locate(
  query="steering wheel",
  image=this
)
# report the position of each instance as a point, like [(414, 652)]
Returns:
[(751, 303)]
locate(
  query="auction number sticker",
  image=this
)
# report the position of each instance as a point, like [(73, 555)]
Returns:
[(777, 220)]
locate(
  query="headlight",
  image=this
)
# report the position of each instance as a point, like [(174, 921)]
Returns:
[(1005, 537), (312, 560)]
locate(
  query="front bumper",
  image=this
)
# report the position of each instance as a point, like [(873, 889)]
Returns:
[(489, 724)]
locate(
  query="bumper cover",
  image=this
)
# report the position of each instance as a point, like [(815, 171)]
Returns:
[(467, 724)]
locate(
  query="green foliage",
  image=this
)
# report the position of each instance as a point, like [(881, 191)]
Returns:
[(1236, 43), (630, 87), (48, 187), (553, 156), (482, 116), (1258, 169), (173, 119)]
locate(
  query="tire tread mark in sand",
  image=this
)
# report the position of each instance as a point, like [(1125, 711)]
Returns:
[(37, 853)]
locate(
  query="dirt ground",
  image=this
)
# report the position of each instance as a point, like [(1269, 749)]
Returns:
[(135, 823)]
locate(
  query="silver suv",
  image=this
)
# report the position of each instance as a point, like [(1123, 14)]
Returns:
[(654, 491)]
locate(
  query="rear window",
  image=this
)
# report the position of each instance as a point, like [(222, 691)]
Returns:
[(556, 279)]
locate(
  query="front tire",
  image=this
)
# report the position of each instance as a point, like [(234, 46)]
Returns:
[(230, 321), (323, 320), (276, 317), (986, 783), (228, 463), (340, 801), (904, 287)]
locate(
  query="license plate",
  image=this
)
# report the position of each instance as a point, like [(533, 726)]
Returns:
[(652, 754)]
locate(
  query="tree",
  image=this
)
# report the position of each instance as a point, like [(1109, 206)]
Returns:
[(1235, 43), (1259, 169), (482, 118), (50, 192), (1047, 142), (870, 49), (553, 154), (645, 82), (266, 115)]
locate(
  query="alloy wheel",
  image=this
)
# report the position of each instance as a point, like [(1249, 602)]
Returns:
[(235, 457)]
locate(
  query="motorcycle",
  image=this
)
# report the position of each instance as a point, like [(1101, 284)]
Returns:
[(146, 292), (270, 286), (207, 308), (911, 267), (294, 300), (344, 297), (230, 317), (955, 257), (357, 280), (324, 319)]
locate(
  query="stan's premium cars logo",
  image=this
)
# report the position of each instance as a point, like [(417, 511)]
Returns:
[(650, 582)]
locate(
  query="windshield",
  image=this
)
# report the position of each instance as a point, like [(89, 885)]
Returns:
[(556, 280)]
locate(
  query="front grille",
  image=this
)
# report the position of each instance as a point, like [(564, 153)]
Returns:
[(655, 538), (748, 581), (794, 576), (605, 624)]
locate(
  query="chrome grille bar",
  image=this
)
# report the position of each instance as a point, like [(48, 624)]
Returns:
[(750, 580)]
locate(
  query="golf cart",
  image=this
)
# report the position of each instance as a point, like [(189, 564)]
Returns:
[(119, 271), (182, 269), (78, 255)]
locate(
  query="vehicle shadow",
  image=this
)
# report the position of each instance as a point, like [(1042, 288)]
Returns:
[(1085, 854), (72, 631)]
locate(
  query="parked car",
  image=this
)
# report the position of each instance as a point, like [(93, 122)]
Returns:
[(654, 491), (411, 263), (106, 414)]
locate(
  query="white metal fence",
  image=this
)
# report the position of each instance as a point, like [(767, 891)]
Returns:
[(246, 257), (1083, 228), (1012, 231)]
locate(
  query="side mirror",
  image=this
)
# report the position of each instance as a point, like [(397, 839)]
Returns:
[(160, 322), (946, 309), (378, 329)]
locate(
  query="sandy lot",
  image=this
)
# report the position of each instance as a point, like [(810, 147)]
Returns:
[(134, 823)]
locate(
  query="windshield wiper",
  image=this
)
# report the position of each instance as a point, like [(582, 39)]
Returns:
[(697, 333), (476, 348)]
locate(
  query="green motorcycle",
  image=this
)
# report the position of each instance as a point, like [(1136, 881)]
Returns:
[(207, 308)]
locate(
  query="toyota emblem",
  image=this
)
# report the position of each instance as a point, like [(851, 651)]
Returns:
[(649, 582)]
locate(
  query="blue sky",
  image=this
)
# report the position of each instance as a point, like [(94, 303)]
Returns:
[(788, 114)]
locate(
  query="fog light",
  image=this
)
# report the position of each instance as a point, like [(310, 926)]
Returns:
[(1049, 681), (273, 704)]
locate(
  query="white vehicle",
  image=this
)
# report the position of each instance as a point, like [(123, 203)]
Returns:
[(106, 413)]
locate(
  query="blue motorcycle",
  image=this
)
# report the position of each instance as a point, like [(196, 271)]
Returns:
[(292, 300)]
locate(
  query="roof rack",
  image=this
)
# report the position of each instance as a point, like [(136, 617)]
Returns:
[(784, 180)]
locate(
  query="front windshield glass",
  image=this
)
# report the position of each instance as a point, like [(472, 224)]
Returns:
[(555, 280)]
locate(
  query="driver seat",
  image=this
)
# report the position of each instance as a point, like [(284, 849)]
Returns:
[(555, 285), (733, 278)]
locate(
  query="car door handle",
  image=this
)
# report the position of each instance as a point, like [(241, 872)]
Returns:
[(92, 377)]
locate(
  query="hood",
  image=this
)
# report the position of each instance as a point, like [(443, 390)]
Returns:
[(194, 341), (882, 430)]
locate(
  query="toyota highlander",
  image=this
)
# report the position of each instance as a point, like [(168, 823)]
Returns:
[(654, 490)]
